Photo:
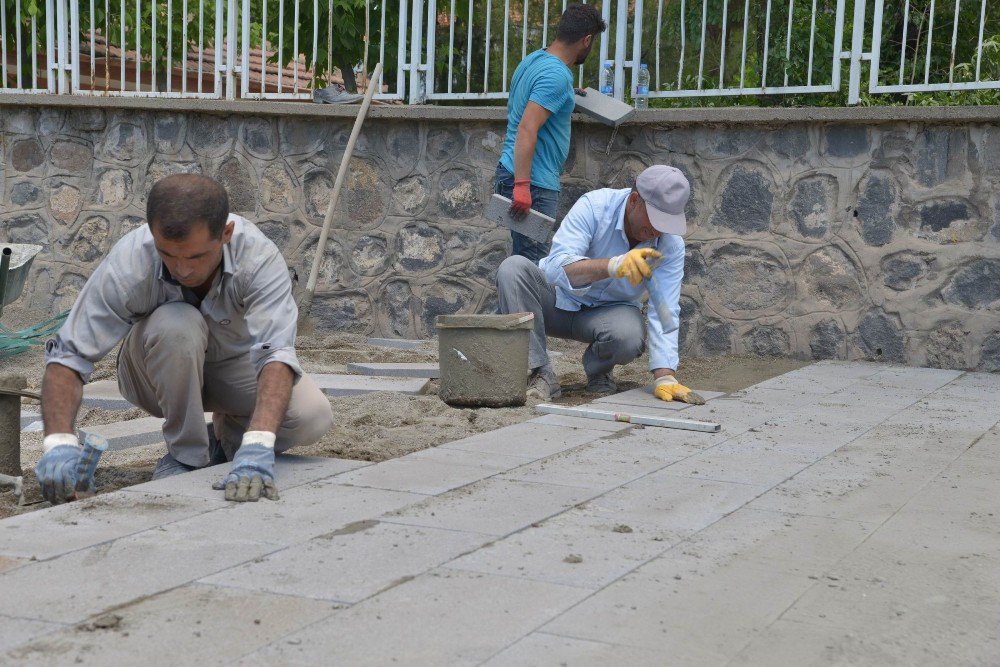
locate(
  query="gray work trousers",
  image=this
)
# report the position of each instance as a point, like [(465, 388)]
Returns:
[(616, 332), (162, 369)]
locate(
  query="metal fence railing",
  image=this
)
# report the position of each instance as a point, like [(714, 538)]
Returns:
[(455, 50)]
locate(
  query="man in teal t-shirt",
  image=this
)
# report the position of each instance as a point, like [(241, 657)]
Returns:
[(539, 106)]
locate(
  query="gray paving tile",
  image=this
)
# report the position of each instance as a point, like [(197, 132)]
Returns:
[(581, 422), (902, 377), (290, 471), (416, 475), (528, 440), (54, 531), (540, 648), (131, 433), (353, 385), (706, 611), (540, 552), (400, 343), (493, 506), (598, 465), (794, 643), (419, 623), (351, 564), (644, 398), (104, 394), (18, 631), (396, 370), (681, 505), (748, 459), (194, 624), (28, 417), (484, 460), (8, 563)]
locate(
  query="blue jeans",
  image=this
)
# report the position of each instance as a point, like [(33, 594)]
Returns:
[(542, 200)]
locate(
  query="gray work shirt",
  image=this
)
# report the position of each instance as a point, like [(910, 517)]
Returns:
[(248, 309)]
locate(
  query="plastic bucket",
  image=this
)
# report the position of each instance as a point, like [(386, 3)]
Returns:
[(484, 359)]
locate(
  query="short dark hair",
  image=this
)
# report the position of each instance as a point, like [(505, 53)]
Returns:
[(178, 202), (578, 21)]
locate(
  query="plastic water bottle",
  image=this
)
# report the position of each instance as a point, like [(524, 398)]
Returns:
[(642, 89), (608, 78)]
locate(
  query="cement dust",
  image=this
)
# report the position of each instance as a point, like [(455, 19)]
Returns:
[(374, 427)]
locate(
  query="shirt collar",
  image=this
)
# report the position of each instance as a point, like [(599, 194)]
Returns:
[(228, 265)]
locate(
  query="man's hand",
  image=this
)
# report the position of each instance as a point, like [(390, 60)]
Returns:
[(582, 92), (667, 388), (252, 474), (57, 471), (521, 202), (633, 265)]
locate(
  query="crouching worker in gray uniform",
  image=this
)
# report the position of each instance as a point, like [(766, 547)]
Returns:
[(203, 301), (589, 287)]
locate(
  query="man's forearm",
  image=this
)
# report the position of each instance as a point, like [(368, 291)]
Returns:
[(586, 271), (274, 390), (524, 152), (62, 393)]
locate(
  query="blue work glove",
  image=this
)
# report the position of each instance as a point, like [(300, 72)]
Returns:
[(252, 474), (57, 471)]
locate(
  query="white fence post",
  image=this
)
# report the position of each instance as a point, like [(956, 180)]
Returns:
[(416, 51), (857, 47), (621, 35)]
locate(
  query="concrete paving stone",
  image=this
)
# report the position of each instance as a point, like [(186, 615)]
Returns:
[(104, 394), (79, 584), (802, 644), (17, 631), (11, 563), (818, 384), (58, 530), (681, 505), (290, 470), (420, 622), (303, 513), (644, 397), (651, 443), (130, 433), (592, 466), (748, 459), (484, 460), (396, 370), (918, 602), (416, 475), (778, 541), (838, 370), (351, 564), (353, 385), (527, 439), (400, 343), (195, 624), (540, 553), (905, 377), (494, 506), (581, 422), (540, 648), (28, 417), (739, 414), (704, 608)]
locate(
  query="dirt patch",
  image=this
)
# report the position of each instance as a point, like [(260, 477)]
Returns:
[(378, 426)]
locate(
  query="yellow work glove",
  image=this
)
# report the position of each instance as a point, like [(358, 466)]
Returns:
[(633, 265), (667, 388)]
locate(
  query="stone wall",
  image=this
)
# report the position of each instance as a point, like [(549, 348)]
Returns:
[(844, 238)]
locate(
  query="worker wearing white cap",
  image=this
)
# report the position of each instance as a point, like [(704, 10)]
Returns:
[(610, 246)]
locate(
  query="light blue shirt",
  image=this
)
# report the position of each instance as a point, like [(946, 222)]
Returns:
[(595, 228), (545, 80)]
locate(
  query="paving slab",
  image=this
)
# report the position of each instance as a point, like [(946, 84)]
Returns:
[(420, 623), (8, 563), (130, 433), (351, 564), (644, 398), (201, 623), (18, 631), (399, 343), (592, 466), (104, 394), (581, 422), (749, 458), (417, 475), (58, 530), (541, 648), (477, 508), (290, 471), (527, 439), (29, 417), (355, 385), (396, 370)]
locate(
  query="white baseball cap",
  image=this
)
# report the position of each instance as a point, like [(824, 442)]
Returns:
[(665, 191)]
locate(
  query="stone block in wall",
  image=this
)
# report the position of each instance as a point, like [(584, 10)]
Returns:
[(812, 207), (945, 346), (948, 220), (169, 133), (278, 189), (942, 155), (239, 180), (65, 200), (830, 280), (746, 280), (849, 143), (880, 337), (26, 156), (113, 189), (711, 143), (259, 137), (460, 193), (746, 202), (791, 142), (877, 207), (989, 354), (409, 195), (622, 170), (210, 136), (443, 297), (71, 157), (24, 195), (87, 120), (124, 142), (975, 285), (716, 337), (827, 339), (419, 249), (348, 312), (905, 270), (766, 340), (25, 228)]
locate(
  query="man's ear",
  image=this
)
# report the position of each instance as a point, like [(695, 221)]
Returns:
[(586, 42), (227, 231)]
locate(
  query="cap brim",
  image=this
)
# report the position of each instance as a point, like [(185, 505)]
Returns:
[(666, 223)]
